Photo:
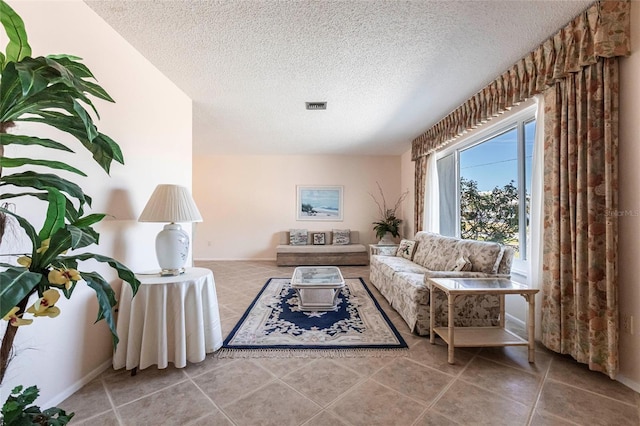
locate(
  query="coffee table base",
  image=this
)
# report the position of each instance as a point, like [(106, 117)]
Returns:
[(318, 299)]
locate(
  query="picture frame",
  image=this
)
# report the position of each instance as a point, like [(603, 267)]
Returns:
[(319, 203), (319, 239)]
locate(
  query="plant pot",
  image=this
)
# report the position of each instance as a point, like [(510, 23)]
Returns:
[(386, 240)]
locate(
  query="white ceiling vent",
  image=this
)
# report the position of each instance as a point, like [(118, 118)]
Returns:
[(316, 105)]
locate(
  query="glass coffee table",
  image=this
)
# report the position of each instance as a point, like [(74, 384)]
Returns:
[(317, 287)]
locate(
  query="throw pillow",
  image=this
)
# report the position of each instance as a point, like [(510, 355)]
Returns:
[(462, 264), (298, 237), (341, 236), (406, 249), (318, 238)]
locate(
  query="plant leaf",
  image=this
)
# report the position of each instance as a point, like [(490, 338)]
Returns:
[(123, 272), (18, 46), (19, 162), (8, 139), (103, 148), (11, 91), (90, 128), (34, 76), (59, 243), (70, 211), (42, 181), (89, 220), (17, 283), (82, 237), (24, 224), (55, 214), (106, 301)]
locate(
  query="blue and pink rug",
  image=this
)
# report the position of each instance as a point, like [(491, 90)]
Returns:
[(273, 326)]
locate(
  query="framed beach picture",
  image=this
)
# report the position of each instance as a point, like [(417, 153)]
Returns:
[(319, 203)]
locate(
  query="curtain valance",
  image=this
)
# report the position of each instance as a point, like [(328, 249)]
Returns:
[(602, 30)]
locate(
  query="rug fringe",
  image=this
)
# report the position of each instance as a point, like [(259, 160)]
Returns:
[(311, 353)]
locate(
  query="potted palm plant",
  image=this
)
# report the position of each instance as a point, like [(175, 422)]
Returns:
[(54, 91), (388, 226)]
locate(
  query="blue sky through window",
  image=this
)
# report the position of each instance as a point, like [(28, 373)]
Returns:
[(495, 161)]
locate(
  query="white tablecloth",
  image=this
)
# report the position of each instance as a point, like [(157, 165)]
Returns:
[(171, 319)]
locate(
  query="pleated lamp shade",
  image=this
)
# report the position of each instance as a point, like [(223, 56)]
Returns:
[(171, 203)]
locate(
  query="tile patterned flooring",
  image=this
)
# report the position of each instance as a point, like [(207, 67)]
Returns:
[(486, 386)]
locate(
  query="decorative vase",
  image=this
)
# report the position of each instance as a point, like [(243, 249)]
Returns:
[(386, 240)]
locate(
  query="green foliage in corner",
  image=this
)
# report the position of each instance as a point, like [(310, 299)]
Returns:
[(18, 411)]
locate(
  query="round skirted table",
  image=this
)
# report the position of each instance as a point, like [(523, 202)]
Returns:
[(171, 319)]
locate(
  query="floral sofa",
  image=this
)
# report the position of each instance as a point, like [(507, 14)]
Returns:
[(403, 279)]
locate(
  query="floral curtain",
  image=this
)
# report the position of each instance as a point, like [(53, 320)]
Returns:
[(580, 296)]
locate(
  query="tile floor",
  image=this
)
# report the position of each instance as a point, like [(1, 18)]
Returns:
[(492, 386)]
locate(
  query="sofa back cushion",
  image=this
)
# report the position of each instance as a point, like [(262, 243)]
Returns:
[(485, 256), (434, 250), (506, 261), (440, 253)]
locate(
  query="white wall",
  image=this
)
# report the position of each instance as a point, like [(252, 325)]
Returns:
[(247, 200), (151, 121), (629, 223)]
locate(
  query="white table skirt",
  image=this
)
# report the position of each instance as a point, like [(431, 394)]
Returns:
[(171, 319)]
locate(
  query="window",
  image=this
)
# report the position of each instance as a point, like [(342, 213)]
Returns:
[(485, 184)]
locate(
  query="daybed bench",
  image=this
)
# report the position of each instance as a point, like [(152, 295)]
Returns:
[(403, 279), (352, 253)]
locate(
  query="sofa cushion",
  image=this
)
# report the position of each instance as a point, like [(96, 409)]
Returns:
[(327, 248), (485, 256), (406, 249), (507, 259), (425, 243), (462, 264), (298, 237), (319, 238), (395, 263), (340, 236)]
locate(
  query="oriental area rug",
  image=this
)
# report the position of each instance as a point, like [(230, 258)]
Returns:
[(274, 326)]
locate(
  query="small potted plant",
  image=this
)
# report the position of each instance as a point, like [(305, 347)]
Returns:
[(388, 226)]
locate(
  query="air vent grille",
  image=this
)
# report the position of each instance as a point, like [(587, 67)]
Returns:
[(316, 105)]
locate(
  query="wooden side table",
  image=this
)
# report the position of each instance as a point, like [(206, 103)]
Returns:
[(385, 250), (480, 336), (171, 319)]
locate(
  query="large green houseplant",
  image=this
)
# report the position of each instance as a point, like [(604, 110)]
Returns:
[(53, 91), (388, 222)]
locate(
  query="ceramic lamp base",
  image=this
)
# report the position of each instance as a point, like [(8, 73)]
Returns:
[(172, 248)]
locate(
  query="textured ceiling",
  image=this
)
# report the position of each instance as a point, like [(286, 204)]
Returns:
[(388, 69)]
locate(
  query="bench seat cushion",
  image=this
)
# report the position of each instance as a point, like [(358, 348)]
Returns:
[(329, 248)]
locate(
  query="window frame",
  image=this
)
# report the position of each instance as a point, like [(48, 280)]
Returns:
[(516, 120)]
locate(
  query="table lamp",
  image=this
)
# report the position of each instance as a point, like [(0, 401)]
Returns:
[(171, 203)]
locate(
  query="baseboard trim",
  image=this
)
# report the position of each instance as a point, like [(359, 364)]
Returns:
[(77, 385), (260, 259), (515, 320), (635, 386)]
